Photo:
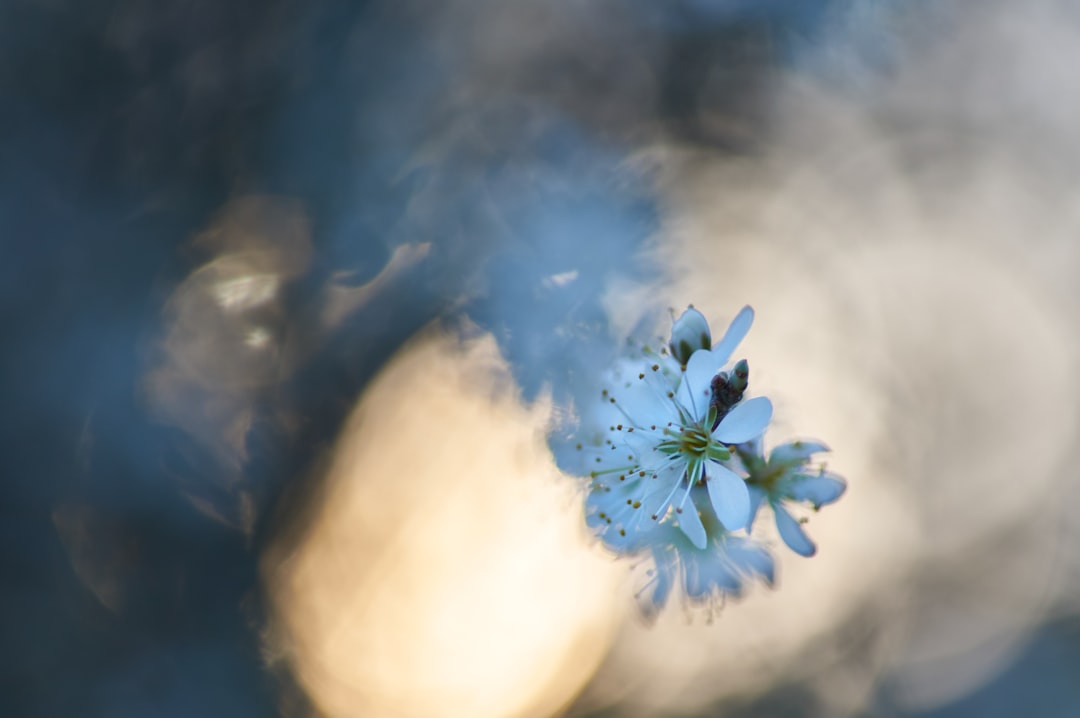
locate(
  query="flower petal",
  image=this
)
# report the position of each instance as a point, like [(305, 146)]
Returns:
[(795, 452), (750, 557), (690, 523), (745, 422), (641, 404), (661, 491), (641, 444), (611, 529), (617, 511), (792, 533), (738, 328), (661, 579), (757, 497), (729, 496), (818, 489), (709, 572), (695, 390)]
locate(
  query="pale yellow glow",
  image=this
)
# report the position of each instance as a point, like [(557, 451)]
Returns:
[(446, 572), (237, 294)]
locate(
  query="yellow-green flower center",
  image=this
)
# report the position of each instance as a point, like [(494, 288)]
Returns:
[(694, 442)]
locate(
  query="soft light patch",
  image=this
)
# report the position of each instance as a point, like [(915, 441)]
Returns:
[(446, 572)]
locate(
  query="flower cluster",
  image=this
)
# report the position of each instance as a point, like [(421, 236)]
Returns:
[(673, 452)]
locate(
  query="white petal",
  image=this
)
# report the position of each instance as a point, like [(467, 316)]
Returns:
[(661, 491), (662, 580), (738, 328), (601, 458), (709, 572), (750, 557), (795, 451), (695, 390), (818, 489), (729, 495), (745, 422), (665, 378), (690, 523), (642, 405), (757, 497), (695, 585), (642, 443), (792, 533), (617, 538), (671, 487), (622, 528)]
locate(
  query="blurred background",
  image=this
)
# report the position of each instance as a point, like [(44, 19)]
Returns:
[(292, 293)]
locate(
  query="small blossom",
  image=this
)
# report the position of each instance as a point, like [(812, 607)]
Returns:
[(707, 574), (689, 333), (787, 477), (665, 438), (673, 452)]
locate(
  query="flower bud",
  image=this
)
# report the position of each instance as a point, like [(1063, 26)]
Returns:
[(689, 333)]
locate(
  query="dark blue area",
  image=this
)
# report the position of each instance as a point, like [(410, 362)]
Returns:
[(804, 17)]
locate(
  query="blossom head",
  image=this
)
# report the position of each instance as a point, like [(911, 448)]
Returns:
[(786, 477), (671, 446), (668, 438)]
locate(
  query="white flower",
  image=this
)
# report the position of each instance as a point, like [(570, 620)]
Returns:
[(666, 437), (706, 574), (673, 453), (787, 477)]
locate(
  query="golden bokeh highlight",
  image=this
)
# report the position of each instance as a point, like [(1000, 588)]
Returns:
[(445, 571)]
